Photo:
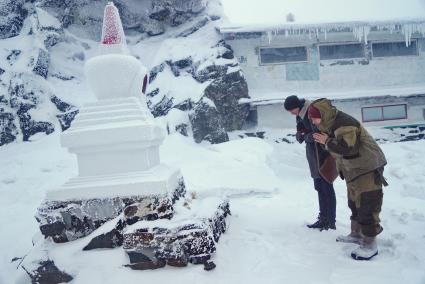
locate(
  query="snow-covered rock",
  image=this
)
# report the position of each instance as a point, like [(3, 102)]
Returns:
[(206, 123), (189, 237), (12, 15), (52, 39), (69, 220)]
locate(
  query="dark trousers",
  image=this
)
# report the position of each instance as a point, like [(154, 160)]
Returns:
[(327, 200)]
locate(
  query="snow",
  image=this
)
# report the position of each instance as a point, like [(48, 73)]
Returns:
[(271, 198), (46, 20), (115, 76), (323, 11)]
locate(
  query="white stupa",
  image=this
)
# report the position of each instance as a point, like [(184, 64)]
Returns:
[(116, 139)]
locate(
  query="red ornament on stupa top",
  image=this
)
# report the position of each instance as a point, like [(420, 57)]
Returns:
[(112, 30)]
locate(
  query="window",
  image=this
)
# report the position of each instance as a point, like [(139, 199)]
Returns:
[(283, 55), (242, 59), (388, 112), (341, 51), (386, 49)]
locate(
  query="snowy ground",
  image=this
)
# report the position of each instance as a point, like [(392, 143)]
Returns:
[(271, 199)]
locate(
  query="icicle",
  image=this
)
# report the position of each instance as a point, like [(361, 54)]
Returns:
[(366, 31), (269, 36)]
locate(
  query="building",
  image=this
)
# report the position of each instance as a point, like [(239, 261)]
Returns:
[(372, 69)]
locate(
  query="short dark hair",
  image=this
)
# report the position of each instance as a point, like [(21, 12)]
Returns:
[(292, 102)]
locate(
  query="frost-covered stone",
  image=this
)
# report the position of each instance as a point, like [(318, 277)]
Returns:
[(207, 124), (13, 56), (68, 112), (8, 128), (48, 273), (161, 108), (69, 220), (225, 92), (12, 15), (41, 66), (25, 97), (181, 240)]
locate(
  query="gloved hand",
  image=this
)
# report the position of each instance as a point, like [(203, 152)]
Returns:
[(300, 136)]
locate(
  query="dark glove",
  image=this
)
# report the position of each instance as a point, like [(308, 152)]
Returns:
[(299, 136)]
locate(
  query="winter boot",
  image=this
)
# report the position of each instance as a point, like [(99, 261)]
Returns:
[(354, 237), (366, 250), (319, 224), (329, 225)]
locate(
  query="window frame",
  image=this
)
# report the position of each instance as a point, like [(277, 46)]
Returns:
[(286, 62), (382, 112), (342, 43), (394, 41)]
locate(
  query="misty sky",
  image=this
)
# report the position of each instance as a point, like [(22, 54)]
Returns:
[(273, 11)]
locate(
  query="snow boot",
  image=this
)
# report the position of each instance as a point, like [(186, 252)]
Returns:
[(366, 250), (354, 237), (329, 225), (319, 224)]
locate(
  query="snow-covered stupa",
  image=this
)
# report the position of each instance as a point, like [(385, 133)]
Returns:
[(121, 181), (116, 141)]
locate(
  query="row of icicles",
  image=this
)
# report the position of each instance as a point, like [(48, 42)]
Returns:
[(360, 32)]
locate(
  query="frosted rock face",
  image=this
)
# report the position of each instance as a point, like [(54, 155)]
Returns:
[(210, 121), (12, 15), (206, 123), (150, 17), (225, 92), (42, 65), (26, 103), (28, 97)]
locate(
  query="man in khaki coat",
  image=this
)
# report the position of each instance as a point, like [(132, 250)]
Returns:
[(360, 161)]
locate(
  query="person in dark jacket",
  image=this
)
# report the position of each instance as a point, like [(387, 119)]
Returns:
[(360, 161), (315, 157)]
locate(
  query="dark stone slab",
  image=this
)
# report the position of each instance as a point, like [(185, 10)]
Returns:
[(48, 273)]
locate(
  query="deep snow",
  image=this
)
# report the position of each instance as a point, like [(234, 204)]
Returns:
[(271, 199)]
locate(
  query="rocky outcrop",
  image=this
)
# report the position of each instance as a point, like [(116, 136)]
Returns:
[(12, 16), (150, 17), (219, 110)]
